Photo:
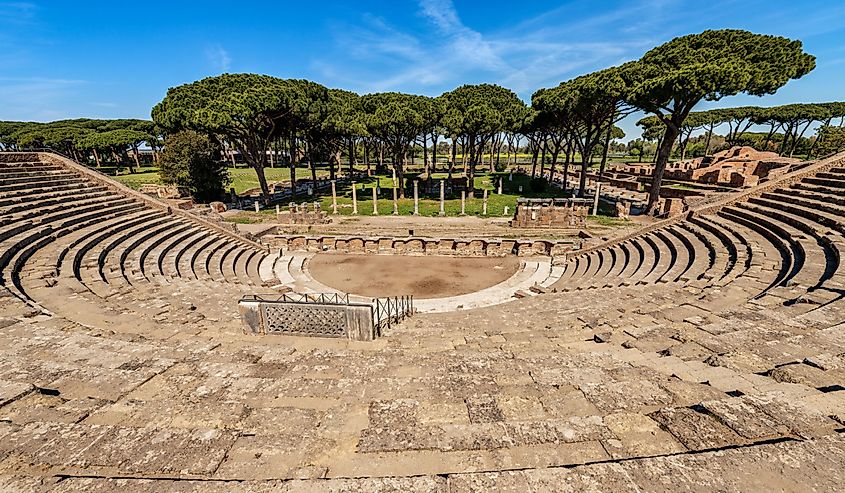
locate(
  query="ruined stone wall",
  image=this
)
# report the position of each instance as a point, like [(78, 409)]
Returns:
[(303, 214), (546, 216), (414, 245)]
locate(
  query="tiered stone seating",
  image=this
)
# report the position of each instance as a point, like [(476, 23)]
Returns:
[(701, 374), (64, 229), (779, 245)]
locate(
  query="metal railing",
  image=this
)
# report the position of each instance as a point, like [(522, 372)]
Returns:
[(385, 311), (318, 298), (388, 311)]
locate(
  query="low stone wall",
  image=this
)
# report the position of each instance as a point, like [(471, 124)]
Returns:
[(414, 245)]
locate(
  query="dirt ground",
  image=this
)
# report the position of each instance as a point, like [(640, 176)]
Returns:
[(423, 277)]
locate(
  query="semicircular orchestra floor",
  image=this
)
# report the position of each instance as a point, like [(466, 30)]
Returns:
[(420, 276)]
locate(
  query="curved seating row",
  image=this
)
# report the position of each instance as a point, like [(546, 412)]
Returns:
[(59, 227), (783, 246)]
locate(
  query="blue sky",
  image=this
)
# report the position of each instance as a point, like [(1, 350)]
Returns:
[(63, 59)]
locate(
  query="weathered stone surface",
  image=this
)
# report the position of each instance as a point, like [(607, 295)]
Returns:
[(10, 391), (744, 418), (695, 430), (135, 364)]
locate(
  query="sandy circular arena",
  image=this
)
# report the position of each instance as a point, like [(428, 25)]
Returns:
[(423, 277)]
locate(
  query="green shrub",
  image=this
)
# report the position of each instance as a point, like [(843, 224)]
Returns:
[(189, 160)]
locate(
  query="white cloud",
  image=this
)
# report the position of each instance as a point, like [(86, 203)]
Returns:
[(218, 57), (538, 52)]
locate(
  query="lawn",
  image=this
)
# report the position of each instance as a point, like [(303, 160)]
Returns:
[(243, 179), (430, 206)]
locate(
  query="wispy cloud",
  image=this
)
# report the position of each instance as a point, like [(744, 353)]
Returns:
[(218, 57), (446, 51)]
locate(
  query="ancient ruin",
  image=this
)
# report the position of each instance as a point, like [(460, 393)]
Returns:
[(736, 167), (739, 166), (545, 213), (303, 213), (705, 351)]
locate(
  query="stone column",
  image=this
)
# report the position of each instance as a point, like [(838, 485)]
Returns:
[(500, 184), (484, 205), (354, 199), (256, 205), (277, 209), (375, 201), (416, 197), (463, 202), (596, 199), (334, 197), (506, 211), (442, 197)]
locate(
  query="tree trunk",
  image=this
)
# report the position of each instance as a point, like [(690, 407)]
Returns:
[(255, 157), (474, 151), (454, 155), (464, 145), (543, 157), (313, 166), (351, 158), (707, 142), (785, 140), (433, 167), (606, 150), (292, 163), (400, 173), (96, 157), (425, 153), (136, 158), (818, 136), (366, 153), (499, 153), (555, 154), (798, 138), (582, 181), (566, 165), (660, 166), (492, 147)]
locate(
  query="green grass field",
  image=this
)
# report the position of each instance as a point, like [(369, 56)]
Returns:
[(243, 179), (430, 206)]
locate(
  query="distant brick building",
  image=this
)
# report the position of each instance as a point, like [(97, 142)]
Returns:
[(737, 167)]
